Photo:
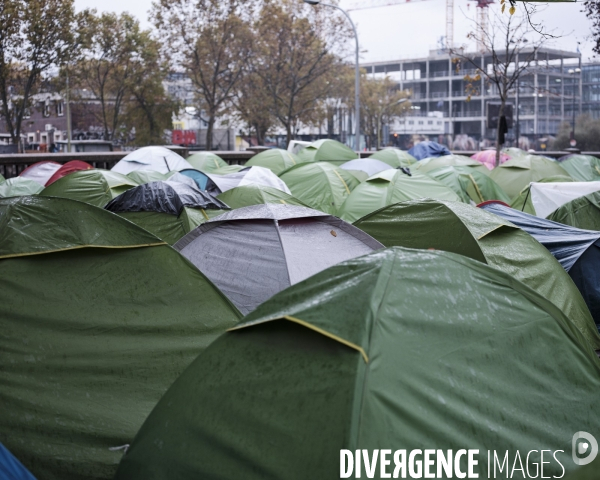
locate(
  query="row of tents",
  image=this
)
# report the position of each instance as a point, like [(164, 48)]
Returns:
[(426, 323)]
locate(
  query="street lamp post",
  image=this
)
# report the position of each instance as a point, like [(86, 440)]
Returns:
[(357, 71), (573, 71)]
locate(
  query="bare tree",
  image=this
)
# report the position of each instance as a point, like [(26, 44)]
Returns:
[(212, 40), (513, 46), (35, 36)]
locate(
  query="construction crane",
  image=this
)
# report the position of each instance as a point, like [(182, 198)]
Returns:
[(482, 5)]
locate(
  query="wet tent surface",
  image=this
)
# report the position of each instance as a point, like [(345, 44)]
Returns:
[(99, 317), (254, 252), (399, 347)]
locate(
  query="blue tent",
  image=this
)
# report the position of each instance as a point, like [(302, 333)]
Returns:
[(201, 179), (11, 468), (578, 251), (429, 149)]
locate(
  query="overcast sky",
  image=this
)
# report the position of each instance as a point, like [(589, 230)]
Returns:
[(412, 29)]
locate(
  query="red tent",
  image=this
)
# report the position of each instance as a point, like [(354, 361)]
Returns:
[(69, 167), (41, 172)]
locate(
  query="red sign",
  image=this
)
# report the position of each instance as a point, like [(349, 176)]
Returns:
[(183, 137)]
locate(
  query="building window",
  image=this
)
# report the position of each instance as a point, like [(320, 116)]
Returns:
[(46, 109), (411, 122), (429, 122), (420, 122), (60, 108)]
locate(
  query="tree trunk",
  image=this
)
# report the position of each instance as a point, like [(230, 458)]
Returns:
[(209, 131), (288, 133), (498, 146)]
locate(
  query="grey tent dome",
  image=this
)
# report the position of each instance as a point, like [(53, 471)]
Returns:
[(252, 253)]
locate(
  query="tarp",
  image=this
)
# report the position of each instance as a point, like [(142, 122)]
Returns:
[(520, 171), (459, 228), (320, 185), (398, 349), (583, 168), (96, 187), (68, 168), (488, 158), (40, 171), (548, 197), (428, 149), (578, 251), (326, 150), (394, 157), (369, 166), (431, 163), (206, 161), (392, 186), (11, 468), (159, 159), (275, 159), (583, 212), (18, 186), (248, 176), (98, 318), (523, 202), (469, 184), (163, 197), (253, 252), (256, 195)]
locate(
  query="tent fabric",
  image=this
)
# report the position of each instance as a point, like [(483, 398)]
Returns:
[(519, 172), (469, 184), (275, 159), (514, 152), (548, 197), (396, 349), (247, 176), (40, 172), (163, 197), (67, 169), (248, 195), (146, 176), (206, 162), (394, 157), (253, 252), (428, 149), (91, 337), (201, 180), (488, 158), (369, 166), (326, 150), (523, 202), (578, 251), (24, 227), (18, 186), (431, 163), (96, 187), (583, 168), (583, 212), (320, 185), (389, 187), (158, 159), (11, 468), (469, 231)]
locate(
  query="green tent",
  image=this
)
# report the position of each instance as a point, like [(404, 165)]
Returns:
[(389, 187), (96, 187), (226, 170), (583, 212), (583, 168), (515, 174), (399, 349), (469, 184), (247, 195), (394, 157), (514, 152), (325, 151), (275, 159), (523, 202), (320, 185), (18, 186), (98, 319), (141, 177), (431, 163), (475, 233), (206, 162)]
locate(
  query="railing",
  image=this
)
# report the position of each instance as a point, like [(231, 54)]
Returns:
[(440, 74), (438, 94)]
